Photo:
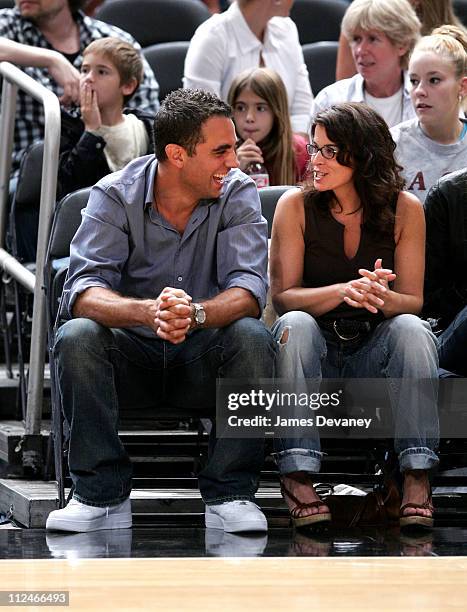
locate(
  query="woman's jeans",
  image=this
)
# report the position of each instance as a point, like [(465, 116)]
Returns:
[(402, 348), (97, 368), (452, 345)]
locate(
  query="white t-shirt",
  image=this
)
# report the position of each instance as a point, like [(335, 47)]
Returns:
[(391, 109), (425, 161), (353, 90), (124, 141)]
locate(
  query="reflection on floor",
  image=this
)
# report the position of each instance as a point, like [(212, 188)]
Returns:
[(145, 542)]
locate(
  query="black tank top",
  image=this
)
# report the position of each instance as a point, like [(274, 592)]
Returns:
[(326, 263)]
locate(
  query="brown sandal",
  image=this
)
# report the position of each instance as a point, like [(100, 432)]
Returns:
[(417, 520), (309, 520)]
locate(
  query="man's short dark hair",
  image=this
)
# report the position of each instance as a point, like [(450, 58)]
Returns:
[(181, 117), (76, 5)]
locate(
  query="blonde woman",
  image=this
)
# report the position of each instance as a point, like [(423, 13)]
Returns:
[(382, 34), (262, 122), (432, 13), (434, 143)]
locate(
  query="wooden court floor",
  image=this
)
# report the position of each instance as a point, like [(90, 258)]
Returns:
[(270, 584)]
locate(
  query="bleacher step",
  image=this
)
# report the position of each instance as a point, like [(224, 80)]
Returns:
[(29, 502), (11, 434)]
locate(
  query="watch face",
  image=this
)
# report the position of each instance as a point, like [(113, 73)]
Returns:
[(200, 315)]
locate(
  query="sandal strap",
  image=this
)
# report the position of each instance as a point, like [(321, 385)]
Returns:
[(427, 505), (299, 505), (296, 512)]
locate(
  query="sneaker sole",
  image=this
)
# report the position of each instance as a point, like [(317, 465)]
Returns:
[(213, 521), (117, 521)]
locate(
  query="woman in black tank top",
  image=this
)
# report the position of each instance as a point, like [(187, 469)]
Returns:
[(347, 263)]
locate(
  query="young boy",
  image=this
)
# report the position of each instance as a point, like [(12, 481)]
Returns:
[(106, 138)]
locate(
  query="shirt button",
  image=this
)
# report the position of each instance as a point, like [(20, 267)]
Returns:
[(180, 278), (99, 145)]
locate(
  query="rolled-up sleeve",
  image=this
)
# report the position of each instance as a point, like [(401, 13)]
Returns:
[(242, 246), (99, 248)]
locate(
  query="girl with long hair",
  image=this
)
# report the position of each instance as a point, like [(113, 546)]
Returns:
[(262, 122)]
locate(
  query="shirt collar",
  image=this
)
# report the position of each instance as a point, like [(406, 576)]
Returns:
[(359, 84), (246, 40), (149, 184), (149, 189)]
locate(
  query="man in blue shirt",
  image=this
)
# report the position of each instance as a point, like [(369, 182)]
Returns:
[(166, 284)]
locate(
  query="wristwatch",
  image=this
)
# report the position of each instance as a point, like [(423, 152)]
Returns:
[(199, 315)]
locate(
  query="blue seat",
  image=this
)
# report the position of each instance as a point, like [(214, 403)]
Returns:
[(268, 197), (460, 9), (155, 21), (320, 59), (318, 19), (167, 61)]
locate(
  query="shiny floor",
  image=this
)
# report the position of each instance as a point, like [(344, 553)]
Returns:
[(179, 542)]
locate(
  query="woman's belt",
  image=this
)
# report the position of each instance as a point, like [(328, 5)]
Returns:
[(347, 329)]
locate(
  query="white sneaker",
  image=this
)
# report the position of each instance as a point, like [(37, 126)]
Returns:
[(80, 517), (235, 516)]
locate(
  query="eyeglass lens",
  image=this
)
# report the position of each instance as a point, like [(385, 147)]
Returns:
[(326, 151)]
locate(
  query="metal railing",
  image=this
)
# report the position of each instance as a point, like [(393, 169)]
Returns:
[(14, 79)]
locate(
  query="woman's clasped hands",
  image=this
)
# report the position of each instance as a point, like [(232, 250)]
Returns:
[(371, 290)]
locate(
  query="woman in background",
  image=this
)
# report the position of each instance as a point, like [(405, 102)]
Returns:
[(435, 142), (382, 34), (432, 14), (251, 34)]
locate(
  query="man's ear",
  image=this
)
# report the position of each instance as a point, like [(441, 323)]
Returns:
[(129, 87), (176, 155)]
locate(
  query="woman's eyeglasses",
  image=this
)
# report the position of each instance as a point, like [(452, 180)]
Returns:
[(327, 151)]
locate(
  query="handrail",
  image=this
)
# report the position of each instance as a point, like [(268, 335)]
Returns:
[(14, 79)]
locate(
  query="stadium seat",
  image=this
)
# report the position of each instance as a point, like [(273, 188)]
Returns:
[(318, 19), (460, 8), (66, 221), (155, 21), (167, 61), (269, 197), (320, 59)]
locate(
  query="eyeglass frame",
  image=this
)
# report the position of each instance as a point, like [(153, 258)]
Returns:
[(317, 150)]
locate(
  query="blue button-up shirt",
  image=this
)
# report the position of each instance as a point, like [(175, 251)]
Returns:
[(125, 245)]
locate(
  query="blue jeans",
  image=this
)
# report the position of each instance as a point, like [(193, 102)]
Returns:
[(402, 347), (98, 367), (452, 345)]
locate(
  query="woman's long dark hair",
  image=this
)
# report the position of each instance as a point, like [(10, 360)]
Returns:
[(365, 144)]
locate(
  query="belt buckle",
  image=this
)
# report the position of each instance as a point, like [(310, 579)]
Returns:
[(345, 338)]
